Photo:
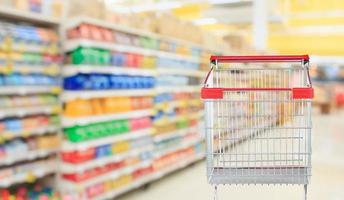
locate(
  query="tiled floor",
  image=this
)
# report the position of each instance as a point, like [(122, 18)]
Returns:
[(327, 182)]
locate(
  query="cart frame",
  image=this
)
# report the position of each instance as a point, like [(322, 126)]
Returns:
[(259, 119)]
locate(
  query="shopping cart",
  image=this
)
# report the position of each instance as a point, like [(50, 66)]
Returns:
[(258, 120)]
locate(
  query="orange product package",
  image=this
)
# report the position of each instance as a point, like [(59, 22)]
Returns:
[(110, 105), (78, 108), (97, 106)]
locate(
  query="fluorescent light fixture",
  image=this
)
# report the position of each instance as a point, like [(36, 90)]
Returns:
[(204, 21)]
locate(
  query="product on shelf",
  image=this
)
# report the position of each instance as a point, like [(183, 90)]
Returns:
[(106, 81), (18, 147), (10, 125), (109, 105), (103, 129), (25, 101), (32, 79), (107, 150)]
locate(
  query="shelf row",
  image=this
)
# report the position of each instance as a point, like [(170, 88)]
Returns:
[(150, 178), (71, 45), (70, 70), (30, 110), (79, 168)]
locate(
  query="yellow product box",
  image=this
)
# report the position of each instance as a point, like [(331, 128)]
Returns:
[(120, 147)]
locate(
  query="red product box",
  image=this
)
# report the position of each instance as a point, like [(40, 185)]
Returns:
[(79, 156), (129, 59)]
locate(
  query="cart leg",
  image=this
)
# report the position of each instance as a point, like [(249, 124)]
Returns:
[(215, 192), (305, 188)]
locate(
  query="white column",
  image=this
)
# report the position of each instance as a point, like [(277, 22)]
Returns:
[(260, 23)]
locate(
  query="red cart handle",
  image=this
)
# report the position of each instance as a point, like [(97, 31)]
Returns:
[(270, 58)]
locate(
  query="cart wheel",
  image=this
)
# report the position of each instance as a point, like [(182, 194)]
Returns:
[(305, 188), (215, 193)]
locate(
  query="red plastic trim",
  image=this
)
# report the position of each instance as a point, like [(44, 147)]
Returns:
[(270, 58), (212, 93), (303, 93), (217, 93)]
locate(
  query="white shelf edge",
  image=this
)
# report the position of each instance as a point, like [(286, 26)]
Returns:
[(70, 70), (69, 95), (80, 167), (24, 111), (70, 146), (149, 178), (70, 121), (75, 43), (28, 16), (29, 155), (24, 90)]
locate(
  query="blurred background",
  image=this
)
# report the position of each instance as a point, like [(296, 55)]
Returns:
[(100, 99)]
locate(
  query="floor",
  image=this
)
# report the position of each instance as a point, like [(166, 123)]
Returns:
[(327, 182)]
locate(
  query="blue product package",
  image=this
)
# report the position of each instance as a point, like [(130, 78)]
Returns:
[(108, 150), (77, 82), (100, 152), (114, 83), (99, 81), (126, 82), (117, 59), (13, 125)]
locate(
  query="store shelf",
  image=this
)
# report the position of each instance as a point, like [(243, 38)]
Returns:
[(167, 120), (149, 178), (52, 71), (70, 146), (70, 70), (69, 95), (76, 21), (104, 177), (178, 103), (76, 43), (70, 121), (181, 72), (177, 133), (20, 15), (25, 90), (81, 167), (33, 110), (182, 145), (178, 89), (8, 135), (26, 177), (26, 156)]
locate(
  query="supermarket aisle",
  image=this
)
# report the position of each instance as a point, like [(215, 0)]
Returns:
[(326, 183)]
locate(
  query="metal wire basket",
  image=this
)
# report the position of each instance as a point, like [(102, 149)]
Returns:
[(258, 120)]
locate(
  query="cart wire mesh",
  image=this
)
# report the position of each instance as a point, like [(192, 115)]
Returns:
[(258, 121)]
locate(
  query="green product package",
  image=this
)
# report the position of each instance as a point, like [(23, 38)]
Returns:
[(75, 134)]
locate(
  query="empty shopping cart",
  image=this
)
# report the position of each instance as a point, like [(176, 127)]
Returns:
[(258, 120)]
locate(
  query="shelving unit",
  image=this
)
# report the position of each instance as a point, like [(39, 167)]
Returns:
[(151, 151), (21, 125)]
